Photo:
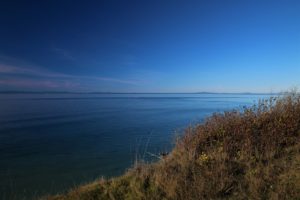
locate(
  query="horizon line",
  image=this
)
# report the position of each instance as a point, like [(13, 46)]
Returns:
[(72, 92)]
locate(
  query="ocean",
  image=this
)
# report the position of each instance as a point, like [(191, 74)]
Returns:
[(50, 143)]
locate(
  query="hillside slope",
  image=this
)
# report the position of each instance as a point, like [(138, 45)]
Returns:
[(249, 154)]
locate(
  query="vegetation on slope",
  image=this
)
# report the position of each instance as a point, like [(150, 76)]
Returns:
[(249, 154)]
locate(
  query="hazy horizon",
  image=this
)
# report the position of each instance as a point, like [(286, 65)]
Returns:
[(99, 92)]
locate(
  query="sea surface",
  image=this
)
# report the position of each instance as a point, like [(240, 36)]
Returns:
[(52, 142)]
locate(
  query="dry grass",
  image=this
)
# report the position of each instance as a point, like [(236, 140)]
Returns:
[(249, 154)]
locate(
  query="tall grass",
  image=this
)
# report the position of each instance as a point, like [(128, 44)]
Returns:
[(248, 154)]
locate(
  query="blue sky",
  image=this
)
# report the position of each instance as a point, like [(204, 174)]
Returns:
[(150, 46)]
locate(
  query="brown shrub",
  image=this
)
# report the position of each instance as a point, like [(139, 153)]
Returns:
[(248, 154)]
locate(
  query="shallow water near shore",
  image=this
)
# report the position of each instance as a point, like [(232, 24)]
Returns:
[(52, 142)]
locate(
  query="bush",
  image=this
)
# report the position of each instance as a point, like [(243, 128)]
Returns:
[(248, 154)]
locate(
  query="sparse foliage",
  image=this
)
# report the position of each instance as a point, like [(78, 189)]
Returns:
[(249, 154)]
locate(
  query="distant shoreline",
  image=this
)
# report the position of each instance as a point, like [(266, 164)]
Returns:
[(66, 92)]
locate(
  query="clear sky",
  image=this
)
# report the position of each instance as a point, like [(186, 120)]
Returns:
[(150, 46)]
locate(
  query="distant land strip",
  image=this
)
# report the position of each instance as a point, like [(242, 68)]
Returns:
[(69, 92)]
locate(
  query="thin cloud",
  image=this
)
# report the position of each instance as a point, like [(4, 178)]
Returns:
[(14, 70), (64, 53), (46, 84), (41, 73)]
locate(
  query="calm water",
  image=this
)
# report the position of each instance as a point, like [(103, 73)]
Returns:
[(50, 142)]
